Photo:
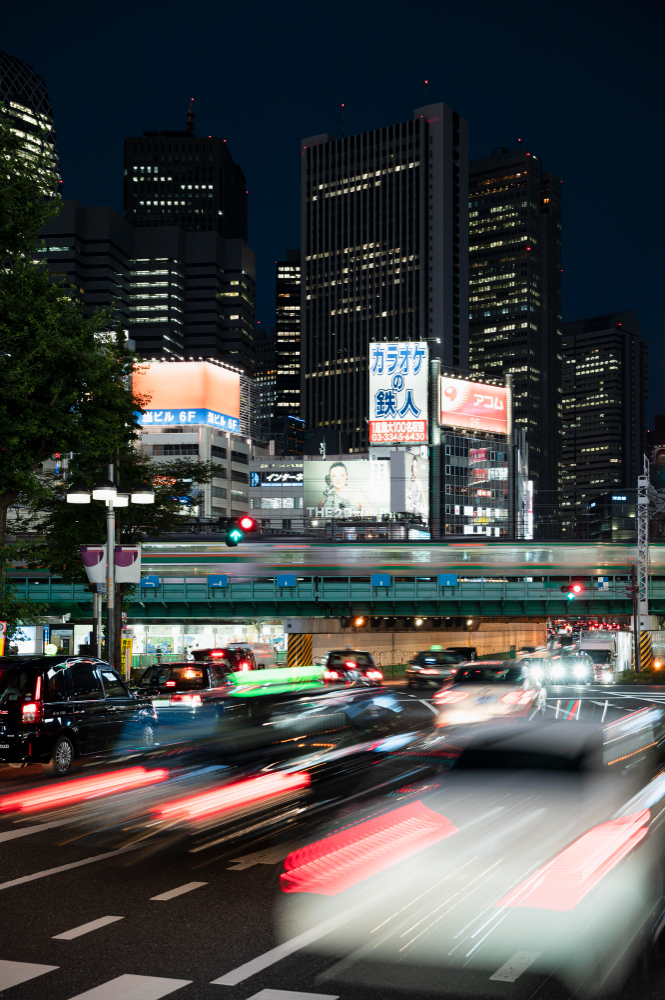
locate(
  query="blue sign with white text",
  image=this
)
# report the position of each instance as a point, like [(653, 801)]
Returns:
[(381, 580), (218, 581), (447, 579), (150, 581), (173, 418), (285, 579)]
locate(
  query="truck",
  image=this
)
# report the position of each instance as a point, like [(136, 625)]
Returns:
[(610, 652)]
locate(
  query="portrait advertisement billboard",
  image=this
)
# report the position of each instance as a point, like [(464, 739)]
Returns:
[(398, 379), (354, 488), (473, 404), (188, 392), (409, 483)]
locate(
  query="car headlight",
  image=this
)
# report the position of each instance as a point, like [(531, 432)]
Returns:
[(536, 672), (558, 671), (580, 671)]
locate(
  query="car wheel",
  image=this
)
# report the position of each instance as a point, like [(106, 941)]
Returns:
[(62, 758), (147, 734)]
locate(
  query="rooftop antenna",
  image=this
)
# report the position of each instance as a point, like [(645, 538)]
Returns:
[(342, 135), (426, 82), (190, 117)]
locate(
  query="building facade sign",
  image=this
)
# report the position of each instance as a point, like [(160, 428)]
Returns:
[(398, 378), (178, 418), (473, 405)]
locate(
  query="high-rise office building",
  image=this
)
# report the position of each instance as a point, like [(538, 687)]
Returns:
[(180, 179), (25, 101), (179, 294), (605, 385), (384, 257), (515, 297), (287, 332)]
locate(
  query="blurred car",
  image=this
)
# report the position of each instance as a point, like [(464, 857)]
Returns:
[(56, 708), (488, 690), (516, 850), (432, 667), (466, 652), (229, 659), (570, 669), (526, 650), (351, 667)]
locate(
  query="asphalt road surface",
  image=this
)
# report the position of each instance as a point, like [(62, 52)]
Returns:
[(84, 917)]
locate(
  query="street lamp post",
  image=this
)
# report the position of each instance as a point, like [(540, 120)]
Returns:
[(106, 490)]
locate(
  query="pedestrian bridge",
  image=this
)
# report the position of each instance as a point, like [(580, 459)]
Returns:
[(204, 581)]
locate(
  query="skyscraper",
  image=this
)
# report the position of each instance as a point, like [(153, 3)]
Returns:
[(180, 179), (384, 257), (25, 100), (515, 296), (287, 331), (605, 384)]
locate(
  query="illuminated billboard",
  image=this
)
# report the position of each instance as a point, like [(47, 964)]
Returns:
[(409, 483), (398, 373), (354, 488), (188, 392), (474, 405)]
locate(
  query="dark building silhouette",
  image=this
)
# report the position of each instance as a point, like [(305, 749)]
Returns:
[(181, 179), (605, 386), (25, 101), (515, 296), (179, 294), (287, 332), (384, 257)]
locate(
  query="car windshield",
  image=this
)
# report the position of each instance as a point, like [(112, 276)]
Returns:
[(173, 676), (352, 656), (16, 682), (599, 655), (489, 675)]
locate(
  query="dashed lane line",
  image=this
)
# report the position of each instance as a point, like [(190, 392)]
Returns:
[(172, 893), (92, 925)]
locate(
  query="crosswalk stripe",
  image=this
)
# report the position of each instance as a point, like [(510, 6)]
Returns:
[(25, 831), (288, 995), (92, 925), (13, 973), (172, 893), (133, 988), (515, 966)]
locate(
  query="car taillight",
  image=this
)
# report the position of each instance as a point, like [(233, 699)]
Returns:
[(243, 665), (170, 684), (194, 699), (32, 711), (450, 697), (429, 670), (330, 675), (565, 880), (351, 664), (374, 675), (518, 697)]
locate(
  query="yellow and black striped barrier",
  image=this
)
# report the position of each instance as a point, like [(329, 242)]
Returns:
[(299, 649)]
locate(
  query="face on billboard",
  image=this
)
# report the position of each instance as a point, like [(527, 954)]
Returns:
[(188, 392), (351, 489), (398, 373), (474, 405)]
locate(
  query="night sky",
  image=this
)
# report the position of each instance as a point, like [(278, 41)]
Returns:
[(581, 83)]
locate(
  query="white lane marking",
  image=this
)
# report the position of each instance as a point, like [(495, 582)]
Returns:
[(295, 944), (268, 856), (427, 705), (13, 973), (65, 868), (133, 988), (515, 966), (288, 995), (27, 830), (172, 893), (92, 925)]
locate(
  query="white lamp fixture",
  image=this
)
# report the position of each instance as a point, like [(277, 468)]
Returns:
[(121, 500), (104, 490), (78, 493), (143, 493)]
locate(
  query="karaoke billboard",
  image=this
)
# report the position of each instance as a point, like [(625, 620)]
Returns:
[(398, 373)]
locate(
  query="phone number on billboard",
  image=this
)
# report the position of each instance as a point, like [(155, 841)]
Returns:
[(387, 431)]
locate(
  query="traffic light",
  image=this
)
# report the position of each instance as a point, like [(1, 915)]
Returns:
[(237, 527), (572, 591)]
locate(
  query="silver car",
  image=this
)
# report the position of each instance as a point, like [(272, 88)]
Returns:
[(489, 689)]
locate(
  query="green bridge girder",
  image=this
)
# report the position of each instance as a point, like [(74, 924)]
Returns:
[(327, 597)]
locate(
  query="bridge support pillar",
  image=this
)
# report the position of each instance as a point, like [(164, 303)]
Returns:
[(299, 649)]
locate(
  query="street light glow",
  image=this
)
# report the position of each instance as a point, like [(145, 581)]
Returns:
[(104, 490)]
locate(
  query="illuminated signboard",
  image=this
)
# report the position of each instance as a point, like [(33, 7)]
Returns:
[(180, 393), (398, 372), (474, 405)]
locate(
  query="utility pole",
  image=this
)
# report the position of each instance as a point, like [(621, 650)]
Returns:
[(110, 574), (642, 563)]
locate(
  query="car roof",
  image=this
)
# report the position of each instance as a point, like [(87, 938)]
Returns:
[(39, 660), (348, 652)]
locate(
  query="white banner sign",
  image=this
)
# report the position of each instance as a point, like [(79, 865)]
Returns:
[(398, 379)]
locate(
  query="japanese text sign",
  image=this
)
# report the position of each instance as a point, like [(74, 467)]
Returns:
[(474, 405), (398, 378)]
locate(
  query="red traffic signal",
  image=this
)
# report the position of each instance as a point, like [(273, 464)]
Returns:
[(247, 523)]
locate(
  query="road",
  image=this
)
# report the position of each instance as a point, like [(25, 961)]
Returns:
[(90, 917)]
